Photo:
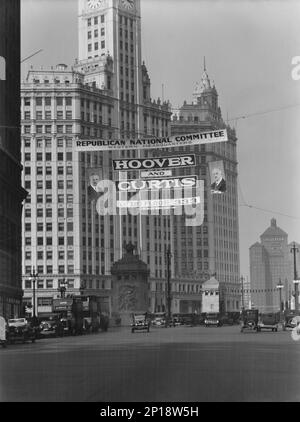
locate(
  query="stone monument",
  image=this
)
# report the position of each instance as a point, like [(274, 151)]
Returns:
[(129, 286)]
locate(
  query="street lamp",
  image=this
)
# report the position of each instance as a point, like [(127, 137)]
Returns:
[(33, 276), (242, 285), (280, 287), (63, 284), (296, 282), (294, 249)]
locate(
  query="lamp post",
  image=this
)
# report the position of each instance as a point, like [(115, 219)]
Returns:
[(296, 282), (33, 277), (280, 287), (242, 283), (294, 249)]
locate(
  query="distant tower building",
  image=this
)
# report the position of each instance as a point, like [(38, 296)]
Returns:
[(11, 192), (213, 247), (270, 264)]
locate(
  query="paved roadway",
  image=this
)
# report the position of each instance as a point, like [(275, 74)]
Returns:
[(192, 364)]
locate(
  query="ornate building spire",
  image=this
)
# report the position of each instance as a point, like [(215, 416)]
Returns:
[(205, 79)]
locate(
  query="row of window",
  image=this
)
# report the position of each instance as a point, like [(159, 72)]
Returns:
[(49, 128), (124, 20), (48, 142), (48, 170), (96, 33), (125, 59), (40, 212), (40, 184), (47, 101), (126, 46), (49, 255), (47, 156), (39, 115), (96, 20), (126, 72), (96, 46), (124, 34), (48, 226), (49, 241), (41, 198)]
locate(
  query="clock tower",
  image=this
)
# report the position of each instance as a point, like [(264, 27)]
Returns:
[(110, 30)]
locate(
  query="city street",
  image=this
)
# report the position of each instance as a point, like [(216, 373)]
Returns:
[(176, 364)]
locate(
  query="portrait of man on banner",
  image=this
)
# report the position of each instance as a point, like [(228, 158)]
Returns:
[(217, 178), (94, 177)]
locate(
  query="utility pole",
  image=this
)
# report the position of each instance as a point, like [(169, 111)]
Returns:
[(242, 281), (294, 249), (168, 254), (34, 276)]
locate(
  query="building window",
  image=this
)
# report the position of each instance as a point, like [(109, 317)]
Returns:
[(89, 35), (44, 301), (49, 284), (68, 101), (59, 101), (89, 47), (39, 101), (102, 44)]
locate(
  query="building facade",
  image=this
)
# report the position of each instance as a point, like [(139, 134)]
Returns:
[(272, 264), (11, 192), (213, 247), (106, 94)]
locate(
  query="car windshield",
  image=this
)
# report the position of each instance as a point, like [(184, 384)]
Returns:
[(17, 321)]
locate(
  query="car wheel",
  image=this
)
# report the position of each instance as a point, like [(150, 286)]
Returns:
[(132, 330)]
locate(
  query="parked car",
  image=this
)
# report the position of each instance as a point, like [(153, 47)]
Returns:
[(51, 328), (140, 322), (212, 319), (19, 329), (268, 321), (159, 319), (290, 320), (249, 320)]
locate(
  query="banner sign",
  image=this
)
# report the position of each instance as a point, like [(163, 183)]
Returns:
[(156, 173), (154, 163), (219, 135), (159, 203), (156, 184)]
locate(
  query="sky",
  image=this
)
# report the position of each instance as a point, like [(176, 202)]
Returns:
[(248, 48)]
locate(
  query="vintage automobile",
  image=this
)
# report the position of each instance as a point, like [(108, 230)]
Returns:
[(212, 319), (50, 328), (159, 319), (19, 329), (140, 322), (249, 320), (290, 320), (268, 321)]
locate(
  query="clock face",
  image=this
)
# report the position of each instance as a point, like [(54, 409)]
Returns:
[(127, 4), (93, 4)]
